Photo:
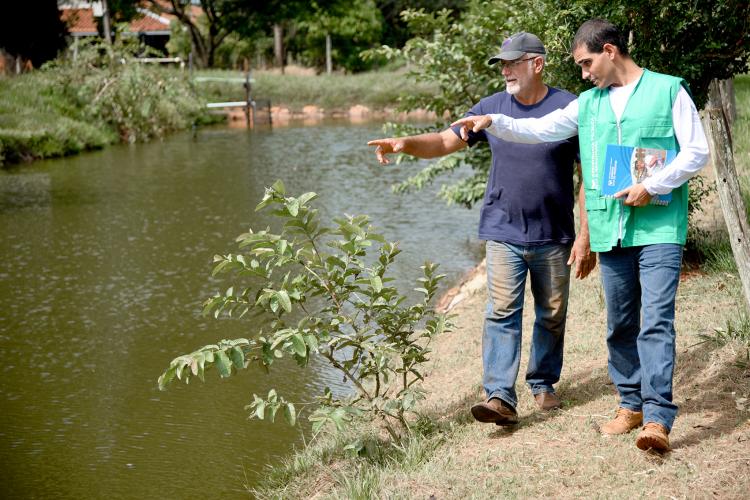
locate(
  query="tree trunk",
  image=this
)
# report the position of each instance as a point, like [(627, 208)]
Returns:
[(278, 46), (329, 64), (198, 45), (106, 24), (727, 183)]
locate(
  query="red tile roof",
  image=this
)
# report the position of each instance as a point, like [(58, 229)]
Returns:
[(79, 21), (149, 22)]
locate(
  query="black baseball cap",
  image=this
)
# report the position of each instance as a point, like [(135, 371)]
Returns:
[(517, 45)]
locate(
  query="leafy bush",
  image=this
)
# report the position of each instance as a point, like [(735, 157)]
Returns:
[(350, 316), (36, 121), (71, 105), (140, 102)]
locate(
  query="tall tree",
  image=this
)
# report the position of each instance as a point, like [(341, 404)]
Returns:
[(396, 30), (249, 17), (207, 26), (341, 29)]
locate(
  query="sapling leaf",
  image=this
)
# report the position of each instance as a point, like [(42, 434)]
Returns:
[(260, 410), (223, 364), (290, 414), (298, 345), (283, 299)]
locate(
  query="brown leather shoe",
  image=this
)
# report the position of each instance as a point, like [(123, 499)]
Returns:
[(653, 436), (625, 421), (547, 401), (495, 411)]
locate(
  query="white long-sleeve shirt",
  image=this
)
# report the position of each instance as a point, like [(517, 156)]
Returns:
[(563, 123)]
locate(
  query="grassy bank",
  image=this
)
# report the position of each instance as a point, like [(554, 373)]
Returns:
[(562, 454), (741, 136), (376, 90), (38, 121)]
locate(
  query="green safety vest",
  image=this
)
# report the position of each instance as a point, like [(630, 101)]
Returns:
[(646, 122)]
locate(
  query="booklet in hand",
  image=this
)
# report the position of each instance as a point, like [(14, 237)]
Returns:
[(627, 165)]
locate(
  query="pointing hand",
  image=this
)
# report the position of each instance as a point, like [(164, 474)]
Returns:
[(476, 123), (386, 146)]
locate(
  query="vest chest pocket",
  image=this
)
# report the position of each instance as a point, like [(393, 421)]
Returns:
[(594, 201), (657, 136)]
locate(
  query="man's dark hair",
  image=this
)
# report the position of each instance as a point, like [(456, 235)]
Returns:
[(594, 33)]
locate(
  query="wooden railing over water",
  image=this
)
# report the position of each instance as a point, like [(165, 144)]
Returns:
[(249, 105)]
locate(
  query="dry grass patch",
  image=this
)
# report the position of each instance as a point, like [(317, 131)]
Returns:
[(561, 454)]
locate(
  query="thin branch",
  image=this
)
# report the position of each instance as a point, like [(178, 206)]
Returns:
[(348, 375)]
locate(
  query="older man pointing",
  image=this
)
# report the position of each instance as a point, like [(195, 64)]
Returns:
[(528, 224)]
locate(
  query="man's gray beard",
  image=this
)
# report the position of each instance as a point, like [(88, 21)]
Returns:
[(512, 89)]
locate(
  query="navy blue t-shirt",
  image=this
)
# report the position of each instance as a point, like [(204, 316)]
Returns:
[(529, 196)]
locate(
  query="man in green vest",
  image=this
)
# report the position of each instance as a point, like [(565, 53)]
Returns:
[(639, 243)]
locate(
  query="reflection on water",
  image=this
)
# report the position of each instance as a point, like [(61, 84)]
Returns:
[(106, 259)]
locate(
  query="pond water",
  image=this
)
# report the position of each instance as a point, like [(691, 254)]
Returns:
[(105, 259)]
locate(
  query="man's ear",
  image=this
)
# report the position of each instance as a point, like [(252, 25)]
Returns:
[(610, 50), (542, 63)]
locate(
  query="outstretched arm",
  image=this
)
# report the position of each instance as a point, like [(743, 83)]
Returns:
[(556, 126), (430, 145)]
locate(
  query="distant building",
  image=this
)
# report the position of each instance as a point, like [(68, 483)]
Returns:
[(84, 20)]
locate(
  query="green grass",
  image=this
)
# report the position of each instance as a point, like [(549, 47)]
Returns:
[(716, 252), (735, 329), (712, 249), (366, 455), (741, 136)]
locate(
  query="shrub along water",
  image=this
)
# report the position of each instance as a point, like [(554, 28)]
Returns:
[(88, 102), (351, 316)]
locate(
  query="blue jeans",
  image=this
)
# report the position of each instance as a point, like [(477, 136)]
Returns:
[(507, 267), (640, 285)]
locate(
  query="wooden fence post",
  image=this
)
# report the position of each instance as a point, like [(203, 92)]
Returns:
[(728, 100), (727, 183)]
